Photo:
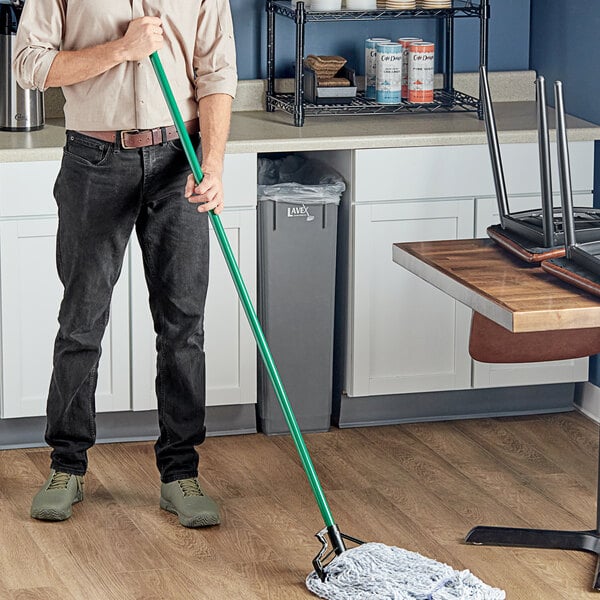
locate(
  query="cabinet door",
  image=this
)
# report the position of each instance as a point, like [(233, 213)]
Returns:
[(229, 344), (30, 298), (406, 335), (512, 374)]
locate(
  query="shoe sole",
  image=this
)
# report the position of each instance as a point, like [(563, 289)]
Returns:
[(50, 514), (192, 522)]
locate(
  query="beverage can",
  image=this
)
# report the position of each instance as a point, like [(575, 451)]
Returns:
[(421, 61), (371, 65), (389, 73), (405, 42)]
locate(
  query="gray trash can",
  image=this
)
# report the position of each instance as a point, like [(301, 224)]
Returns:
[(298, 202)]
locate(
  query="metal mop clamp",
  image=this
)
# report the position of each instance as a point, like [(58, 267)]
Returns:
[(336, 538), (326, 555), (538, 234)]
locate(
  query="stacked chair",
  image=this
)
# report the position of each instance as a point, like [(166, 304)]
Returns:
[(580, 265), (534, 236), (538, 234)]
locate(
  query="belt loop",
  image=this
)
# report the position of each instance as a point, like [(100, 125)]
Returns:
[(163, 131)]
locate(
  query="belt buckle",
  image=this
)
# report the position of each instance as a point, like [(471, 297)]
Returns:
[(125, 132)]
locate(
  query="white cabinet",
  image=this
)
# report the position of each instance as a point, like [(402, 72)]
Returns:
[(405, 335), (229, 344), (31, 291), (30, 298)]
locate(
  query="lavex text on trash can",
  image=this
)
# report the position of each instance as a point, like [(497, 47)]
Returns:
[(389, 73), (420, 72), (371, 64), (405, 42)]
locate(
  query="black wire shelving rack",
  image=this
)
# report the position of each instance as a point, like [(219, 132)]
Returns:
[(446, 99)]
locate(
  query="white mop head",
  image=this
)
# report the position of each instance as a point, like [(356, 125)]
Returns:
[(378, 572)]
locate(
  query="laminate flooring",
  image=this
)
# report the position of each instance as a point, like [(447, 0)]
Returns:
[(418, 486)]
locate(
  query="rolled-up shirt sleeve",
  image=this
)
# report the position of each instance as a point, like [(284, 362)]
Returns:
[(215, 70), (38, 42)]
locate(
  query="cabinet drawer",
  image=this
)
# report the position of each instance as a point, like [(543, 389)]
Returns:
[(487, 375), (26, 188), (423, 172), (459, 171), (522, 173)]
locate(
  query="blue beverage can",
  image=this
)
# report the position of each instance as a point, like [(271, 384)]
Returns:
[(388, 87), (371, 65)]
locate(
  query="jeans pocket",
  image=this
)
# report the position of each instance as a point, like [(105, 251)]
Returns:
[(86, 150), (177, 145)]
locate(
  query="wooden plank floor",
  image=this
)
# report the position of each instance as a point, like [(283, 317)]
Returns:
[(418, 486)]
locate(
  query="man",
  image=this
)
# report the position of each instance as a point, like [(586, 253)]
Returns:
[(123, 167)]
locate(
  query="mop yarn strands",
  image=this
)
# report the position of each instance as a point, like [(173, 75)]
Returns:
[(378, 572)]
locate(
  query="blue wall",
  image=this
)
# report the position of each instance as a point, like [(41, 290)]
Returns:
[(508, 49), (565, 45)]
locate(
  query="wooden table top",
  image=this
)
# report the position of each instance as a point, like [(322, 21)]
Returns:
[(492, 282)]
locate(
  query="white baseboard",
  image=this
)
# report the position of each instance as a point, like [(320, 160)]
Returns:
[(587, 400)]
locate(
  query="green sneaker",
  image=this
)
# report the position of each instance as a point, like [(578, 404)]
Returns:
[(53, 502), (186, 499)]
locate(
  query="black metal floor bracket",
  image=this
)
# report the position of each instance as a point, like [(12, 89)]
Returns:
[(586, 541)]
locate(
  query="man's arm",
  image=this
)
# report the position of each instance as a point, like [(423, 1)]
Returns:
[(143, 37), (215, 118), (216, 81)]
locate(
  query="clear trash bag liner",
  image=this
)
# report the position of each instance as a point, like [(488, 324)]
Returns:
[(298, 180)]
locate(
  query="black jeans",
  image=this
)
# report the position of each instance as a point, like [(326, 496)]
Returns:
[(102, 192)]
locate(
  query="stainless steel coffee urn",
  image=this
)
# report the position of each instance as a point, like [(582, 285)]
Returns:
[(20, 110)]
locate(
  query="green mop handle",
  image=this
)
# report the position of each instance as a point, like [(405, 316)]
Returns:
[(245, 300)]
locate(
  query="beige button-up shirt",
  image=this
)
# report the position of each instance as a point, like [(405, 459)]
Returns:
[(198, 57)]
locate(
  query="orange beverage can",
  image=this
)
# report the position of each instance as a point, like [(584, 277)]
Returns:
[(421, 61), (405, 43)]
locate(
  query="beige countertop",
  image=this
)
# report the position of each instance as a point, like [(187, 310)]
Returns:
[(259, 131)]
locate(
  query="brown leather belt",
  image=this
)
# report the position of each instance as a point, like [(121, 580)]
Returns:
[(135, 138)]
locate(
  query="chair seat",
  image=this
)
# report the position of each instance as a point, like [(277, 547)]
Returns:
[(492, 343)]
